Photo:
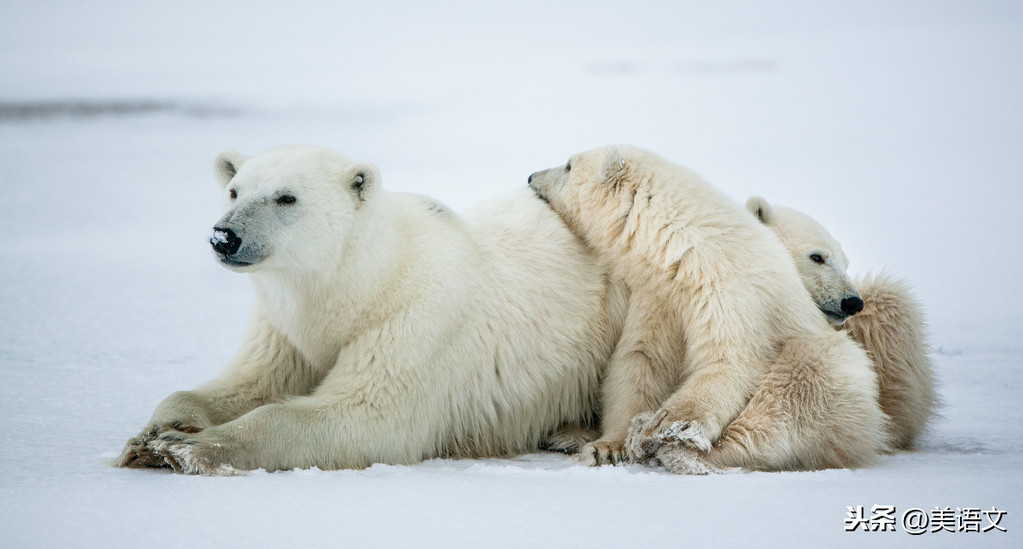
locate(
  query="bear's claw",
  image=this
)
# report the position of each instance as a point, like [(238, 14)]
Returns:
[(604, 452)]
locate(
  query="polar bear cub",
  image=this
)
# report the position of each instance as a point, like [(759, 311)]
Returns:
[(387, 328), (721, 338), (818, 257), (888, 320)]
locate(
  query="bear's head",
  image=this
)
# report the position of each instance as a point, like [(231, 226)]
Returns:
[(818, 257), (290, 208), (594, 192)]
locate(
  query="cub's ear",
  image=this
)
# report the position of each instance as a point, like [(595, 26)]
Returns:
[(760, 209), (363, 178), (226, 164), (615, 168)]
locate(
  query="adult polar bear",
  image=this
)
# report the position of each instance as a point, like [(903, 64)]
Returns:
[(387, 328), (721, 335)]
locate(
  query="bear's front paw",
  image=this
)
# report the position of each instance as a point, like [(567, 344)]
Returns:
[(639, 444), (684, 460), (667, 427), (603, 452), (136, 454), (191, 455)]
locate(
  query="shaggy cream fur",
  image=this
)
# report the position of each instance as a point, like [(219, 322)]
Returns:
[(719, 330), (387, 328), (890, 326)]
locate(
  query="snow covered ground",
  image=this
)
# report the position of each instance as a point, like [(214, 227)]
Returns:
[(897, 124)]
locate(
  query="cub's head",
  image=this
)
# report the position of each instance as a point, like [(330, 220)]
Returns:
[(819, 258), (289, 208), (594, 191)]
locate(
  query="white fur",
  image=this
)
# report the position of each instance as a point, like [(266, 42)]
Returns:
[(818, 257), (721, 335), (891, 326), (389, 329), (892, 329)]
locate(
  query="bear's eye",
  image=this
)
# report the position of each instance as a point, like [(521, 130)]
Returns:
[(233, 194), (286, 199), (568, 167), (817, 258)]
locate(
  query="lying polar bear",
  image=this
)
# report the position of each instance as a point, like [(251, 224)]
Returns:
[(386, 328), (721, 338), (888, 321), (878, 311)]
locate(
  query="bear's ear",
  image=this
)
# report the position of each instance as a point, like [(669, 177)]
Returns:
[(363, 179), (615, 168), (226, 164), (761, 209)]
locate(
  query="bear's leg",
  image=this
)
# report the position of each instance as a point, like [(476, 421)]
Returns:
[(301, 433), (184, 411), (815, 409), (633, 384), (190, 412), (629, 388), (696, 413), (728, 350), (266, 369), (350, 421)]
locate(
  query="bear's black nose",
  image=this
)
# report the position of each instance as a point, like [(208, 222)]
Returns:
[(530, 180), (225, 242), (852, 305)]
